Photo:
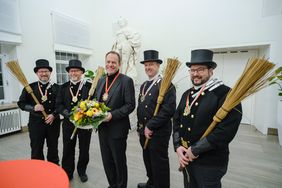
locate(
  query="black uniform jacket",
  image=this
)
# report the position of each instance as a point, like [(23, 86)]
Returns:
[(161, 123), (187, 130), (64, 103), (27, 103), (121, 100)]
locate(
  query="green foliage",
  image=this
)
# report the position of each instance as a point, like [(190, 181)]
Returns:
[(90, 75), (277, 79)]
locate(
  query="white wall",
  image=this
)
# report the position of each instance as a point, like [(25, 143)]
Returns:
[(173, 27), (37, 38), (176, 27)]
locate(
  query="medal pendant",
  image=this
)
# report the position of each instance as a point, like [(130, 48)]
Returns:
[(105, 96), (74, 99), (186, 111), (44, 98), (142, 98)]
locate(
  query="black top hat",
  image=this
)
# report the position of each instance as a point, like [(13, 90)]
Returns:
[(151, 55), (42, 63), (75, 63), (202, 57)]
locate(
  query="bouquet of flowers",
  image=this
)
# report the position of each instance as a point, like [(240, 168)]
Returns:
[(88, 114)]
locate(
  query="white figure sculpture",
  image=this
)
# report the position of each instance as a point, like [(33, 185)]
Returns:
[(127, 44)]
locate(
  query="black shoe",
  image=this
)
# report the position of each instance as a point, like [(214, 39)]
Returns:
[(83, 178), (142, 185)]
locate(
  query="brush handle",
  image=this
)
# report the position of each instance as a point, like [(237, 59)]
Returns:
[(37, 102), (30, 91), (160, 100)]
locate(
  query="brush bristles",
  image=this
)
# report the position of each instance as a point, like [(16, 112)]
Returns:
[(253, 79), (255, 76), (17, 72), (172, 66), (99, 74)]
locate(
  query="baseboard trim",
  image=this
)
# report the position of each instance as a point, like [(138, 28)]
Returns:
[(24, 128), (272, 131)]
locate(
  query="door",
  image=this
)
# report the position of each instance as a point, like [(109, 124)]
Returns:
[(230, 66)]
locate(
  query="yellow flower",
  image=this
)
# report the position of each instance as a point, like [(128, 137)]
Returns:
[(77, 116), (95, 110), (96, 105), (82, 106), (89, 113)]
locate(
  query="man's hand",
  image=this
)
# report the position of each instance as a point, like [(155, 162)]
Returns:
[(183, 159), (49, 119), (190, 155), (108, 118), (148, 133), (38, 108)]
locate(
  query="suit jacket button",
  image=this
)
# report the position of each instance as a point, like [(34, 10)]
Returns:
[(181, 126), (203, 93), (192, 116), (145, 118), (146, 106), (50, 101), (192, 92), (189, 129), (149, 94), (196, 103)]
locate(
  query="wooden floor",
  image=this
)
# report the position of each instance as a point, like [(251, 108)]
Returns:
[(255, 161)]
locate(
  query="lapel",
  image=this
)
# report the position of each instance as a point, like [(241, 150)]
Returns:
[(67, 93), (114, 87), (100, 88)]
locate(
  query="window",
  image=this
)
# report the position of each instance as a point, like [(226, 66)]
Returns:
[(62, 61), (1, 82)]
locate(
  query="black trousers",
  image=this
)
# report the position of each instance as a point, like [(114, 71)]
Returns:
[(38, 133), (114, 160), (156, 160), (68, 161), (200, 176)]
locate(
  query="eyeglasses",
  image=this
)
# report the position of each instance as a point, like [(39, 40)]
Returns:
[(199, 70), (43, 72)]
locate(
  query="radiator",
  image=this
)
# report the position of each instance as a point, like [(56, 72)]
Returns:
[(9, 121)]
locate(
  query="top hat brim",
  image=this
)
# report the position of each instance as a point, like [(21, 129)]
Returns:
[(210, 64), (152, 60), (81, 68), (45, 67)]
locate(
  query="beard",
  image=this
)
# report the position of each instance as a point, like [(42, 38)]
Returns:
[(75, 78), (201, 82), (44, 79)]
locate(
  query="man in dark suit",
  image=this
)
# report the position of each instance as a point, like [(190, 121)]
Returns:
[(205, 159), (156, 128), (71, 92), (116, 90), (41, 128)]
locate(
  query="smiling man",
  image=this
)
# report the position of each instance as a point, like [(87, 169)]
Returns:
[(156, 128), (70, 94), (116, 90), (205, 159), (40, 128)]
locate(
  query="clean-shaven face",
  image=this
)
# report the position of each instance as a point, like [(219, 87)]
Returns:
[(151, 68), (112, 63)]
